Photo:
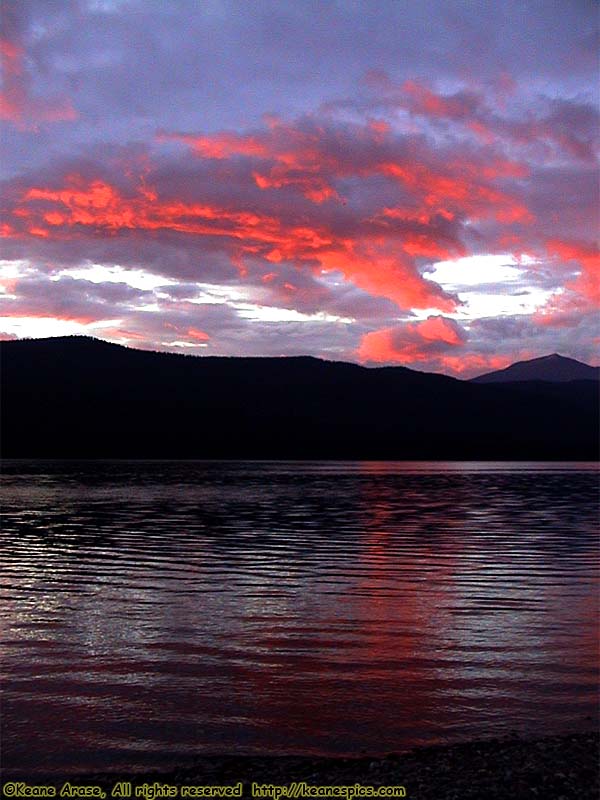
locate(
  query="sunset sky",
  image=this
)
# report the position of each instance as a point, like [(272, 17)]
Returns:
[(385, 181)]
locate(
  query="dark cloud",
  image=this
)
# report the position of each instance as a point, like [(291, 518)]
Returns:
[(69, 299)]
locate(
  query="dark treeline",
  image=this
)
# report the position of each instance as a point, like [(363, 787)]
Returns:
[(77, 397)]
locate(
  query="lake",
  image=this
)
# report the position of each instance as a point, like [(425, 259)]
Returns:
[(157, 610)]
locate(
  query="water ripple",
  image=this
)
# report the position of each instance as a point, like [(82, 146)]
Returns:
[(156, 610)]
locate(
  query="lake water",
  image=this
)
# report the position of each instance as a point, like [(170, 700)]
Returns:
[(156, 610)]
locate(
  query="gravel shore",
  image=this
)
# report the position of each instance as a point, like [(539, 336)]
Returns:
[(553, 767)]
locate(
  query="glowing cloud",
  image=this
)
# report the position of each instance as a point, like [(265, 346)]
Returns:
[(411, 342), (435, 210)]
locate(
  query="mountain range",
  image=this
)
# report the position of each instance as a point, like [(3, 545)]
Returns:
[(77, 397)]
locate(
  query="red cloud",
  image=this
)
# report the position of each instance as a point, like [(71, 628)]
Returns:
[(199, 336), (312, 187), (432, 343), (416, 341), (564, 126), (291, 157), (588, 258), (458, 190), (438, 329), (407, 201), (83, 208), (220, 146), (475, 364), (422, 100), (22, 311), (315, 161)]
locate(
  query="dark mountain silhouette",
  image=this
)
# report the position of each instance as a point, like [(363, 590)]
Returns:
[(553, 368), (78, 397)]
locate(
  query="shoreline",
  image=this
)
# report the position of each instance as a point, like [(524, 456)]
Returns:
[(559, 766)]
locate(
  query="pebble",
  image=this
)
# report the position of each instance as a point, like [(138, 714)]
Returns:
[(555, 767)]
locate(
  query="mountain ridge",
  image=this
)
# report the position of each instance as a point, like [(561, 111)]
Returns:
[(551, 361), (70, 397), (78, 339), (554, 367)]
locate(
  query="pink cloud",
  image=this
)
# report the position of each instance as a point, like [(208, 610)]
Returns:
[(411, 342), (587, 256)]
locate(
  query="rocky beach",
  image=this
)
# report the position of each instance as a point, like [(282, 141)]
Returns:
[(561, 767)]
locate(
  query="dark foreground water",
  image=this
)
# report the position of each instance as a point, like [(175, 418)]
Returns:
[(156, 610)]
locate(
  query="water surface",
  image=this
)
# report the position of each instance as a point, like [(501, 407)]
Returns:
[(157, 610)]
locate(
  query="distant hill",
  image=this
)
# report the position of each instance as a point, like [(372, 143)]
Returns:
[(554, 368), (78, 397)]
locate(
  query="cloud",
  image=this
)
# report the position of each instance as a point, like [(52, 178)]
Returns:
[(412, 342), (587, 257), (311, 210), (379, 256)]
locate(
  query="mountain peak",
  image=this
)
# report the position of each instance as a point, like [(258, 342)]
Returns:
[(552, 368)]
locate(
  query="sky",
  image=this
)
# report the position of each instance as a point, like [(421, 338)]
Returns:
[(387, 182)]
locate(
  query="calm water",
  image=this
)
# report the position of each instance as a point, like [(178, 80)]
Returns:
[(155, 610)]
